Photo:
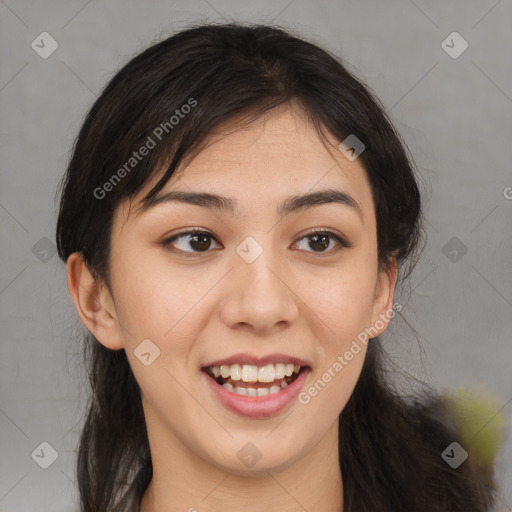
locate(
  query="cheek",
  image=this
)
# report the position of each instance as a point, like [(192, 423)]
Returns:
[(343, 301), (153, 305), (332, 384), (343, 304), (150, 300)]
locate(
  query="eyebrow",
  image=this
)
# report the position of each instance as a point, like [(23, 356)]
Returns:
[(226, 204)]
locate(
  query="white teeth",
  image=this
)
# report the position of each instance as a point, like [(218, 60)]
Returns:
[(228, 386), (279, 370), (249, 373), (236, 372), (241, 391), (253, 373), (288, 369), (254, 391), (266, 373)]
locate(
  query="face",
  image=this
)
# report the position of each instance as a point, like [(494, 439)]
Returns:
[(261, 289)]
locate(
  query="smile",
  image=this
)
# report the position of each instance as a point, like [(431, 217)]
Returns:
[(240, 379), (256, 387)]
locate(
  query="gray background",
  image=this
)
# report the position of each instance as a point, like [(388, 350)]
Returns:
[(454, 114)]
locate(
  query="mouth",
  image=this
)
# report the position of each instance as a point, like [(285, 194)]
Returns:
[(255, 381)]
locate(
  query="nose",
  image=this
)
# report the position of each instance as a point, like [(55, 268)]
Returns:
[(260, 295)]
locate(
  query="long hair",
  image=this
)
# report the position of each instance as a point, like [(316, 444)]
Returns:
[(174, 93)]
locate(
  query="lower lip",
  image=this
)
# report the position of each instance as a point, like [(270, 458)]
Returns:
[(259, 406)]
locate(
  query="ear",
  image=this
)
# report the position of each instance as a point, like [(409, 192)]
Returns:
[(384, 294), (93, 303)]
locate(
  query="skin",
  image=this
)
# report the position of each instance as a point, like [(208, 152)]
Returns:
[(293, 299)]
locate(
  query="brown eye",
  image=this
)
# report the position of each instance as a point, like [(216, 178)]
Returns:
[(194, 242), (320, 241), (198, 241)]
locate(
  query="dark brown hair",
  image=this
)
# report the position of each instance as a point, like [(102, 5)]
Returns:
[(390, 446)]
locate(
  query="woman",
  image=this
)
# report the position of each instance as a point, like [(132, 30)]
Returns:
[(234, 218)]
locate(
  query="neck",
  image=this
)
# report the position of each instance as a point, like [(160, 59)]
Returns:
[(191, 484)]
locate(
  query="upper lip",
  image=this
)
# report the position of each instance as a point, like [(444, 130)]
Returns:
[(258, 360)]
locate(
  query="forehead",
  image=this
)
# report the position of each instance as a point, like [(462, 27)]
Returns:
[(261, 163)]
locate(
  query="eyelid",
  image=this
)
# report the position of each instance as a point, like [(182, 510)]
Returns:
[(189, 231), (341, 239)]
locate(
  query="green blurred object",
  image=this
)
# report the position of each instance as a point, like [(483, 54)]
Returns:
[(481, 424)]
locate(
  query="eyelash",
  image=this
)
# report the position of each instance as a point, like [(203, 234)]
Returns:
[(343, 243)]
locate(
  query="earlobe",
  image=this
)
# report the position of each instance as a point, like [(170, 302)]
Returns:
[(93, 303), (384, 294)]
